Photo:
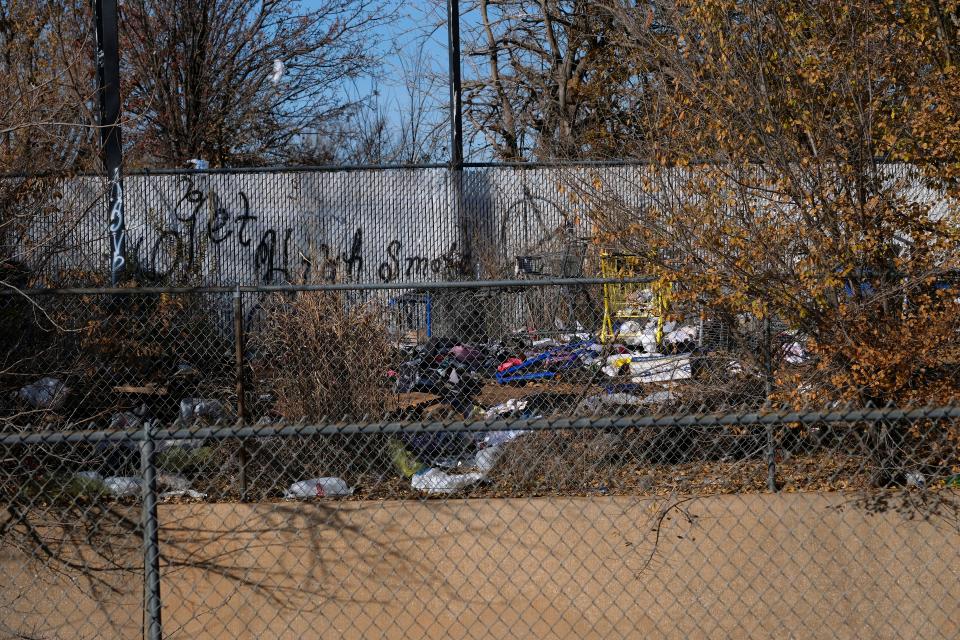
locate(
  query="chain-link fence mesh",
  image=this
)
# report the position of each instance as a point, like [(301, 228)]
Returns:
[(395, 403), (514, 528), (466, 459), (227, 227), (86, 358)]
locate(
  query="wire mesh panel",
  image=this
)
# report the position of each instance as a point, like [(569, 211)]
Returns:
[(366, 416), (610, 527), (95, 359), (460, 459), (116, 360), (296, 225), (70, 544)]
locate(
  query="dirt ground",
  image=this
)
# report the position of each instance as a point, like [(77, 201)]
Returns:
[(735, 566)]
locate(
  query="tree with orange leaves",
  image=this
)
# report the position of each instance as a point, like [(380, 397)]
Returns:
[(806, 169)]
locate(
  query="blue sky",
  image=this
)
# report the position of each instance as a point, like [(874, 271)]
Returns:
[(417, 21)]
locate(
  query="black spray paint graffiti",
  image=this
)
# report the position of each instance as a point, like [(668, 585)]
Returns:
[(117, 227), (400, 267), (209, 222), (181, 249)]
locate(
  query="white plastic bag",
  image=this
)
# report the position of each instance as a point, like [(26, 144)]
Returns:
[(495, 438), (319, 488), (123, 486), (486, 458), (436, 481)]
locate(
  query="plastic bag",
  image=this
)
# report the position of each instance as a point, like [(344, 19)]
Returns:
[(123, 486), (319, 488), (436, 481)]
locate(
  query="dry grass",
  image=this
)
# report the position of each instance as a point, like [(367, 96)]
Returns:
[(322, 356)]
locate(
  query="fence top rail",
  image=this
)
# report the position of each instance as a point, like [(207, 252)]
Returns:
[(345, 286), (241, 430), (484, 164), (344, 168)]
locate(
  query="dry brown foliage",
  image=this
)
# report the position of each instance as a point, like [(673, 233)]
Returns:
[(322, 355)]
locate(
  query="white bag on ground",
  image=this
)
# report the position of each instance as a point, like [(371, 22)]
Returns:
[(487, 458), (185, 493), (123, 486), (434, 480), (319, 488)]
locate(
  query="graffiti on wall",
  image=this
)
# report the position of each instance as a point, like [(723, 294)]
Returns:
[(200, 221), (117, 230)]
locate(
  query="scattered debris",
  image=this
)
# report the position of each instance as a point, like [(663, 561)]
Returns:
[(511, 406), (123, 486), (46, 393), (510, 362), (403, 460), (465, 353), (143, 390), (193, 408), (172, 482), (434, 480), (580, 334), (319, 488), (185, 370), (126, 420), (634, 334), (546, 364), (126, 486), (681, 335), (660, 369), (916, 479), (660, 397), (184, 493), (794, 353), (487, 457), (496, 438), (647, 368)]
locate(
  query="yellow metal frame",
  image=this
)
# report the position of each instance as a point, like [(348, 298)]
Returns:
[(621, 299)]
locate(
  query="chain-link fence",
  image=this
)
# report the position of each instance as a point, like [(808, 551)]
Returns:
[(412, 402), (597, 527), (290, 225), (101, 358), (536, 457)]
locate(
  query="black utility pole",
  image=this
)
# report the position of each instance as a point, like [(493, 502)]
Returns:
[(108, 86), (456, 90), (456, 134)]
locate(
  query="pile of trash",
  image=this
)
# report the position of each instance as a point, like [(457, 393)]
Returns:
[(453, 461), (455, 370)]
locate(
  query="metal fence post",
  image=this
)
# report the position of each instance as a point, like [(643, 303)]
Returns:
[(151, 545), (108, 87), (771, 453), (238, 340)]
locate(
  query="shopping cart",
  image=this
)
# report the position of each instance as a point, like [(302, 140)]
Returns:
[(624, 301)]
